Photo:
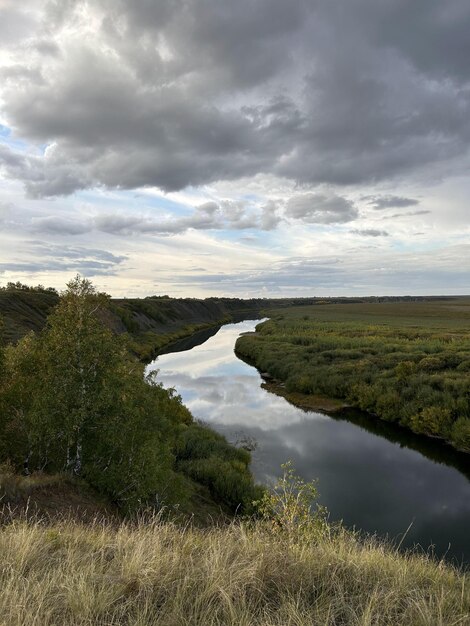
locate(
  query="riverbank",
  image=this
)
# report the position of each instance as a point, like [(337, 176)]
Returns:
[(305, 401), (308, 402), (406, 363)]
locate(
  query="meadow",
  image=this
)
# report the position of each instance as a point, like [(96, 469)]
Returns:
[(406, 362)]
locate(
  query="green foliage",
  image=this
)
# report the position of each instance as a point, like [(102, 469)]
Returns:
[(75, 401), (460, 434), (432, 420), (207, 457), (291, 507), (405, 362)]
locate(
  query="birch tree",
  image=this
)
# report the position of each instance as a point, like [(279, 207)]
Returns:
[(77, 402), (79, 354)]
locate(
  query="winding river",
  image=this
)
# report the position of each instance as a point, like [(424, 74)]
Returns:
[(372, 475)]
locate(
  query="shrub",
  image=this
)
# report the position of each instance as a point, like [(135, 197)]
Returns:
[(432, 420), (460, 434), (208, 458), (291, 507), (430, 364), (464, 366)]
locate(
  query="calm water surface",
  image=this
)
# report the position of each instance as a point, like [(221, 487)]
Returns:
[(371, 475)]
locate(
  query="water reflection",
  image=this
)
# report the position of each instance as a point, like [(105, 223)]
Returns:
[(372, 475)]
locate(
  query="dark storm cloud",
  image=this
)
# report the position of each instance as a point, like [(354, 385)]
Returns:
[(51, 175), (177, 93), (387, 202), (315, 208)]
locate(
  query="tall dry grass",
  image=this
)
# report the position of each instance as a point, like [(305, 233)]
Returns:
[(156, 573)]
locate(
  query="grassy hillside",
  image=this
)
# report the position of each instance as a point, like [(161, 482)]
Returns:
[(51, 497), (246, 574), (23, 311), (406, 362), (156, 322), (151, 323), (68, 558)]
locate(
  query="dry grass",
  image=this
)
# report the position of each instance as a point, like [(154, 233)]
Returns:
[(155, 573)]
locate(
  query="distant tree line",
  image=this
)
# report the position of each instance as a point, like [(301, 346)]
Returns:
[(18, 286)]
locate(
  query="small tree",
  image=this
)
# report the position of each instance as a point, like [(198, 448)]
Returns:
[(79, 353), (290, 506)]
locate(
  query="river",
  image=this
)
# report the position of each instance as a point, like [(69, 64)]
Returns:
[(374, 476)]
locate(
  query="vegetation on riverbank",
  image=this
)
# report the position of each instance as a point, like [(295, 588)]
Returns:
[(73, 401), (406, 362), (286, 566), (148, 345)]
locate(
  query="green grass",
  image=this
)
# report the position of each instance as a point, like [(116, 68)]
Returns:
[(406, 362), (154, 573)]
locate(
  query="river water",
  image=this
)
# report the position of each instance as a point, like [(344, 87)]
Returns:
[(372, 475)]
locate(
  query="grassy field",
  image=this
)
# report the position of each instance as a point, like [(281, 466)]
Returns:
[(156, 573), (407, 362)]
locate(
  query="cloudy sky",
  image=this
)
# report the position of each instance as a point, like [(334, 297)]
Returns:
[(248, 148)]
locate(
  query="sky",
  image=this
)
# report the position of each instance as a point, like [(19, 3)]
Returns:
[(257, 148)]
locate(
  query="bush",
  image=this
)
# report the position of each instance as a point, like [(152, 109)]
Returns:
[(208, 458), (291, 507), (72, 400), (433, 420), (460, 434), (431, 364)]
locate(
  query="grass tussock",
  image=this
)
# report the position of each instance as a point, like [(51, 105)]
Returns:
[(156, 573)]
